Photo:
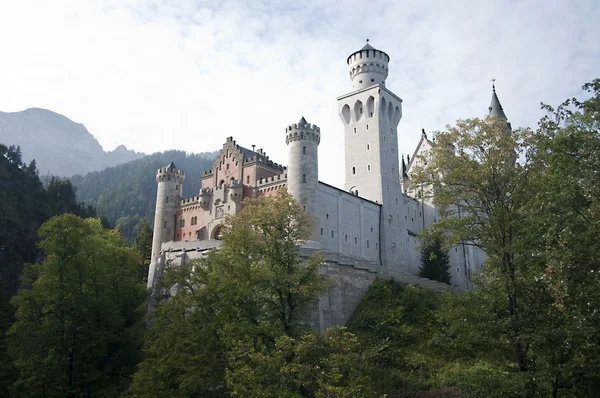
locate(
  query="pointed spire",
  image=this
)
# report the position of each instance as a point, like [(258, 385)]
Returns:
[(302, 121), (495, 107), (404, 174), (171, 166)]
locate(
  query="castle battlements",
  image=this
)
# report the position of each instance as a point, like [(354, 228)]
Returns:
[(303, 131), (270, 180)]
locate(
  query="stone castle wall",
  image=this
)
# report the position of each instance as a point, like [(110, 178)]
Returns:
[(351, 277)]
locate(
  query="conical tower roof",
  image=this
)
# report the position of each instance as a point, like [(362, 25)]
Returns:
[(302, 121), (495, 106), (171, 166)]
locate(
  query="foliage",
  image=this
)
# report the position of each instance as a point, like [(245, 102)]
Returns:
[(435, 264), (530, 200), (78, 315), (126, 194), (394, 323), (24, 206), (312, 365), (242, 299), (143, 244)]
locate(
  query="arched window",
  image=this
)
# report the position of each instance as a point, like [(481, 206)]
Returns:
[(353, 170)]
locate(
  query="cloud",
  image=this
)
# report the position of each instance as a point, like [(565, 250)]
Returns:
[(156, 75)]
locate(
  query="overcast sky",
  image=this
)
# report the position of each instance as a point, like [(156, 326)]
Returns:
[(157, 75)]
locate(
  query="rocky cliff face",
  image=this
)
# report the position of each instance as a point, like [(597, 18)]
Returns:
[(59, 146)]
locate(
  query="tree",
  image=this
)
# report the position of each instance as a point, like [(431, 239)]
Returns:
[(143, 244), (251, 292), (564, 159), (482, 193), (78, 314), (530, 200), (435, 264)]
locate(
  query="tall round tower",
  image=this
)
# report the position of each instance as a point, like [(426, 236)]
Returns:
[(303, 140), (170, 186), (368, 67)]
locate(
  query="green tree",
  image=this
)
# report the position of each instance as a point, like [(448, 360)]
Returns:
[(564, 160), (529, 327), (252, 291), (394, 324), (143, 244), (78, 314), (483, 194), (435, 264)]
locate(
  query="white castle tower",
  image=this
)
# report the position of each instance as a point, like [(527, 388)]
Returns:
[(371, 114), (303, 141), (170, 187)]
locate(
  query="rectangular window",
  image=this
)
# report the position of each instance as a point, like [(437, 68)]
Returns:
[(367, 126), (332, 235), (167, 199), (304, 150), (304, 178), (247, 179)]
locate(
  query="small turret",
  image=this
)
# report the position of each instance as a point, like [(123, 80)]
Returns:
[(170, 186), (303, 140), (368, 67)]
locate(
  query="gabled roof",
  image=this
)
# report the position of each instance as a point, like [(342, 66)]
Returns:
[(421, 141)]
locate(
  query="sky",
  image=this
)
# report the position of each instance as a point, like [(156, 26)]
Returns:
[(158, 75)]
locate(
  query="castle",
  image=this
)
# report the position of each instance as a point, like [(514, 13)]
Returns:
[(371, 224)]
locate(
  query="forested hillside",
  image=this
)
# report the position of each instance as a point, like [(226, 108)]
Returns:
[(126, 193), (24, 206)]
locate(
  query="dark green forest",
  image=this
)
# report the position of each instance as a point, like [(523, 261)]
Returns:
[(24, 206), (235, 326), (126, 194)]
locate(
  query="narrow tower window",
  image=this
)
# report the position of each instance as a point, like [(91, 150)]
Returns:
[(368, 167), (332, 234), (303, 178), (368, 147), (354, 130), (367, 127), (167, 200), (355, 240), (321, 231), (304, 150), (367, 244), (353, 170)]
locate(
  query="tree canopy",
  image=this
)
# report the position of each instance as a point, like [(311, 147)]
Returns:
[(78, 314)]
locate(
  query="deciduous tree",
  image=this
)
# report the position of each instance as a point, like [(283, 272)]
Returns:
[(77, 321)]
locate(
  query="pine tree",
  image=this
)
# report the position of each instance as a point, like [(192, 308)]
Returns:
[(435, 264)]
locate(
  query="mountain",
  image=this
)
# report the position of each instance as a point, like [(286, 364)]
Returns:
[(58, 145), (126, 193)]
